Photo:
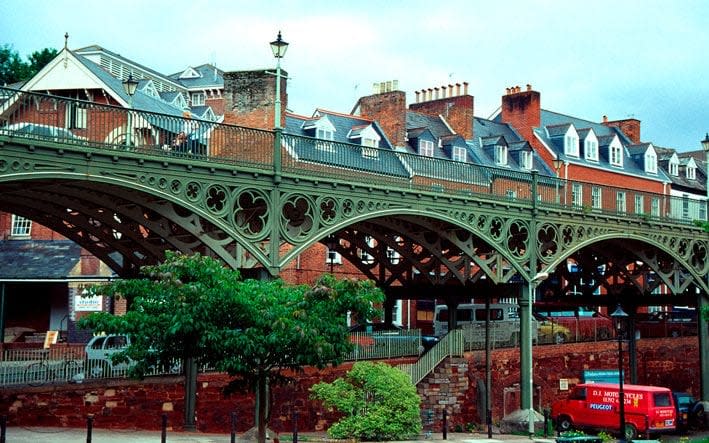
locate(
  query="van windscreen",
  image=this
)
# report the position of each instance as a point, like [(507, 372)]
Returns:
[(495, 314), (661, 399)]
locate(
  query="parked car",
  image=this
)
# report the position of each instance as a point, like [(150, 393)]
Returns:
[(381, 334), (584, 324), (676, 323), (42, 131), (550, 331), (690, 412), (99, 351)]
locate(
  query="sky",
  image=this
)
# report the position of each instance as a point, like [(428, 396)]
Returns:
[(645, 59)]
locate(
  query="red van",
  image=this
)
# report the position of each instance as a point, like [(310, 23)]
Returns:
[(648, 409)]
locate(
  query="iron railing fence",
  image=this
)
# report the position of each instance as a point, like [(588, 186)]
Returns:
[(450, 345), (102, 126), (385, 344)]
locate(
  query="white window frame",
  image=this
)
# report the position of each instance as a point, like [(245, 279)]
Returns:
[(577, 194), (75, 116), (639, 204), (615, 154), (198, 98), (691, 172), (621, 202), (369, 147), (655, 207), (650, 161), (426, 148), (571, 142), (459, 154), (500, 155), (591, 147), (21, 226), (673, 167), (597, 197), (526, 159)]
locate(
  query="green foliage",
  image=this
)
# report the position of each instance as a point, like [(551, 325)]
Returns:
[(571, 434), (606, 437), (378, 402), (702, 224), (13, 69)]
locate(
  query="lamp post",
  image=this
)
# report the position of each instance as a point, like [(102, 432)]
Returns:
[(619, 316), (331, 245), (279, 48), (557, 165), (705, 146), (129, 86), (536, 280)]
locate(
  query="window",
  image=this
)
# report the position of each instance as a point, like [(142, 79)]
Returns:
[(500, 155), (511, 194), (639, 204), (327, 136), (333, 258), (426, 148), (197, 99), (655, 207), (650, 161), (702, 211), (596, 199), (691, 172), (525, 159), (368, 151), (685, 206), (571, 144), (363, 255), (577, 194), (459, 154), (591, 149), (21, 227), (75, 116), (620, 205), (674, 166), (616, 154)]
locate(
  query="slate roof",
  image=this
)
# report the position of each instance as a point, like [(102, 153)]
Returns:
[(680, 182), (343, 153), (554, 124), (210, 77), (38, 259)]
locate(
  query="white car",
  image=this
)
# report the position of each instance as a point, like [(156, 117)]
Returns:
[(99, 351)]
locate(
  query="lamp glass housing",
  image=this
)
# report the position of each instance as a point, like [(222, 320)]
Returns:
[(130, 85), (279, 46)]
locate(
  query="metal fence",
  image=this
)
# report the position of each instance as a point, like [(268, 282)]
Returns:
[(385, 344), (100, 126)]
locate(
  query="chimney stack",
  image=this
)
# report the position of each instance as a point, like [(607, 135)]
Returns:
[(456, 109), (388, 108), (249, 97), (629, 126), (522, 110)]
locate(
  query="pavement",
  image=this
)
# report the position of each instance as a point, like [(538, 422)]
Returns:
[(75, 435)]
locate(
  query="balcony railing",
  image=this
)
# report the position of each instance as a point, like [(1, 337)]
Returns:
[(42, 117)]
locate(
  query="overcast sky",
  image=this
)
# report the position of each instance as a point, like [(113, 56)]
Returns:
[(645, 59)]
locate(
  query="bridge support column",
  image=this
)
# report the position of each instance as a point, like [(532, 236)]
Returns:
[(703, 333)]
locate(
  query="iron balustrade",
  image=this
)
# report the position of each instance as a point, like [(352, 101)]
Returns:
[(92, 125)]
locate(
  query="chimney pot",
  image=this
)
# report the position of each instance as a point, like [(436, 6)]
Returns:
[(457, 88), (507, 91), (417, 96), (465, 88), (450, 90), (436, 90), (430, 94), (605, 119), (529, 87)]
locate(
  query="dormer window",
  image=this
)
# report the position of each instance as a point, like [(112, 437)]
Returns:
[(426, 148), (500, 155), (369, 146), (615, 153), (673, 166), (458, 154), (571, 142), (197, 98), (590, 147), (526, 159), (650, 161), (325, 134), (691, 172)]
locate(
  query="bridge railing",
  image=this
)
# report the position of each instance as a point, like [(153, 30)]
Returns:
[(103, 126)]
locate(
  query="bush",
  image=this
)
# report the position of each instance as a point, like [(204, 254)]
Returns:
[(378, 403)]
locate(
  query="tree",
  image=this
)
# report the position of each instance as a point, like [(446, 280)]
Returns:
[(195, 309), (378, 402), (13, 69)]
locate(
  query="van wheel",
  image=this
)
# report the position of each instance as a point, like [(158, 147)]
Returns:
[(559, 338), (630, 432), (98, 369), (604, 334), (563, 423)]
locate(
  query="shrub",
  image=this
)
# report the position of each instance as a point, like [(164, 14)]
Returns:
[(378, 402)]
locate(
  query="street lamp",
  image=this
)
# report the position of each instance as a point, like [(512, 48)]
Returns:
[(705, 146), (279, 48), (619, 316), (331, 245), (536, 281), (557, 165), (129, 86)]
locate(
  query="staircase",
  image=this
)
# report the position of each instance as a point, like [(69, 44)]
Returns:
[(451, 345)]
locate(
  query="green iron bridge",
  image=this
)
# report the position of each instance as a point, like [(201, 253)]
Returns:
[(120, 185)]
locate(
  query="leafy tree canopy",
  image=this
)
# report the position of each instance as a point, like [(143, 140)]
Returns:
[(13, 69), (378, 402)]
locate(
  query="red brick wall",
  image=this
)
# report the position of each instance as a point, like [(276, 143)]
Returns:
[(458, 112), (629, 126), (673, 363), (523, 111), (389, 109), (249, 98)]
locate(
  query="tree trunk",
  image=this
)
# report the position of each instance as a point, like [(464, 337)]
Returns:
[(262, 405), (190, 368)]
